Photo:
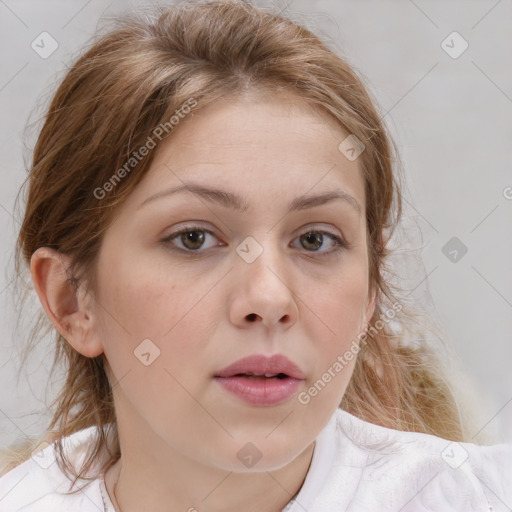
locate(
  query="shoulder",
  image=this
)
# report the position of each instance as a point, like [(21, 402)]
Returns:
[(394, 470), (38, 484)]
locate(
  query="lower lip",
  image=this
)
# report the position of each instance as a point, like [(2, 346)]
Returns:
[(264, 392)]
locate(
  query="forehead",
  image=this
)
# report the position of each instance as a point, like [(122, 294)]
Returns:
[(256, 144)]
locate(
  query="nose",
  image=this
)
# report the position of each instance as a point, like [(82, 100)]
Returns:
[(262, 292)]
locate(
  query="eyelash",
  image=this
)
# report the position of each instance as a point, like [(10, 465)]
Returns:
[(339, 243)]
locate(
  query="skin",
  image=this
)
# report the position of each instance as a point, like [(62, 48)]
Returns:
[(180, 432)]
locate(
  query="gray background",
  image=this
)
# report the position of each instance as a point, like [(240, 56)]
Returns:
[(451, 119)]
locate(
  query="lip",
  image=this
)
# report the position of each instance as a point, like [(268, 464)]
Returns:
[(258, 389), (262, 364)]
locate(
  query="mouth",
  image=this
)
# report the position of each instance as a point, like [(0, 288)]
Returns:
[(276, 366), (260, 377), (261, 381)]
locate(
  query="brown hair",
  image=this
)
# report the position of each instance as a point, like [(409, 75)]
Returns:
[(135, 77)]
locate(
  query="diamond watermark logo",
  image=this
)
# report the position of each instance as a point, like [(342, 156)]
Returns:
[(454, 45), (43, 460), (454, 249), (44, 45), (351, 147), (454, 455), (249, 455), (147, 352), (249, 249)]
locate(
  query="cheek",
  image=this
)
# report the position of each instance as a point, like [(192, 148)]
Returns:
[(332, 317), (335, 307), (156, 329), (140, 302), (146, 299), (336, 345)]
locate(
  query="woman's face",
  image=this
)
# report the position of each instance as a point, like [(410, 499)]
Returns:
[(244, 278)]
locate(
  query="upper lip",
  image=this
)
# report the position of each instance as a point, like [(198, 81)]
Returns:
[(261, 365)]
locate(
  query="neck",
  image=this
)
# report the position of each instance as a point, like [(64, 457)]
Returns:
[(159, 477), (262, 492)]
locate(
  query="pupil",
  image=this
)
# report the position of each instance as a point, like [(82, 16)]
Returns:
[(314, 239), (193, 239)]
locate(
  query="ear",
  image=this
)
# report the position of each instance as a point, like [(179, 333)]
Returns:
[(70, 310)]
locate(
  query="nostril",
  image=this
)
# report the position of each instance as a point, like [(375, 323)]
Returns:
[(252, 317)]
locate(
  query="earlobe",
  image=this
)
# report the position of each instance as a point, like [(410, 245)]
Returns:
[(67, 307)]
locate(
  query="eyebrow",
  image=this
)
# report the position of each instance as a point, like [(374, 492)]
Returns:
[(236, 202)]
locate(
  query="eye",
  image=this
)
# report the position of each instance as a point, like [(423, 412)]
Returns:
[(313, 241), (191, 238)]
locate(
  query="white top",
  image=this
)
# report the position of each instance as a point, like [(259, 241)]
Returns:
[(356, 466)]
